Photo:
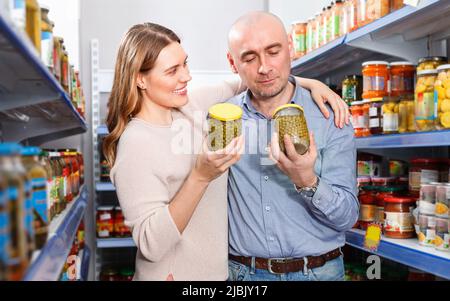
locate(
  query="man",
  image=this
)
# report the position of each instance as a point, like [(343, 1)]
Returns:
[(287, 219)]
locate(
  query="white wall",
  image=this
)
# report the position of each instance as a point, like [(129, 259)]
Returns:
[(66, 16), (296, 10)]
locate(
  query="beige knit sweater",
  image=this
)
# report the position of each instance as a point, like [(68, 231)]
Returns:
[(147, 174)]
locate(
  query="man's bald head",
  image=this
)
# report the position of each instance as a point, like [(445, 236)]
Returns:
[(260, 52), (254, 21)]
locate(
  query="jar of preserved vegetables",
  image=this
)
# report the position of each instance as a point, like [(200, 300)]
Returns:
[(352, 88), (425, 109), (442, 93), (290, 120), (406, 114), (402, 78), (390, 115), (375, 79), (225, 124), (376, 116), (431, 62)]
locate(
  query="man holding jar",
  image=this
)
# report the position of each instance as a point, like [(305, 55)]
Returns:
[(288, 213)]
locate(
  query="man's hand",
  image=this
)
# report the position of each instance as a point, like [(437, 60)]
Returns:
[(299, 168)]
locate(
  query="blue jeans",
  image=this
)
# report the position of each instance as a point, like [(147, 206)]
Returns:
[(333, 270)]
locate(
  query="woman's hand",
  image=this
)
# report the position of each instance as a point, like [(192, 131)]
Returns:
[(321, 95), (210, 165)]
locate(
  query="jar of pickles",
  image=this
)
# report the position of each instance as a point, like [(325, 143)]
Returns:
[(402, 78), (431, 62), (352, 88), (390, 115), (290, 120), (360, 118), (406, 114), (376, 116), (225, 124), (425, 109), (442, 93), (375, 79)]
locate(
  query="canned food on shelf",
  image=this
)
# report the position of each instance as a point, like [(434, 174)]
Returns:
[(442, 93), (375, 79), (431, 62), (402, 78), (406, 114), (398, 221), (427, 230)]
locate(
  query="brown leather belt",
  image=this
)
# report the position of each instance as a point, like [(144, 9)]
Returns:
[(287, 265)]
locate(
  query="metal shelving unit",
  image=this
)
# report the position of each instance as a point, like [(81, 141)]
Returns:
[(34, 108), (104, 186), (407, 252), (109, 243), (49, 262), (406, 34)]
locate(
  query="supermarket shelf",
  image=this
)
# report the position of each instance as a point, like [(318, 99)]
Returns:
[(407, 252), (403, 34), (104, 186), (85, 258), (51, 259), (102, 130), (105, 243), (423, 139), (34, 108)]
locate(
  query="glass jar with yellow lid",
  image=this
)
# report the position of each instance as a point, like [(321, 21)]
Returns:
[(442, 95), (290, 120), (224, 124)]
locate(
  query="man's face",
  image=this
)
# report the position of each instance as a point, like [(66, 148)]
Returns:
[(261, 54)]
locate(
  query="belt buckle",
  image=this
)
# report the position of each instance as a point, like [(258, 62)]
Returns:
[(278, 260)]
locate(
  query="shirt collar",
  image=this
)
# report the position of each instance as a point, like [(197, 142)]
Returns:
[(249, 106)]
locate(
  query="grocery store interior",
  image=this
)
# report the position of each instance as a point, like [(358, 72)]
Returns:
[(60, 219)]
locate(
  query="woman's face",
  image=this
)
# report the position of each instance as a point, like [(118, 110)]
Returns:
[(166, 83)]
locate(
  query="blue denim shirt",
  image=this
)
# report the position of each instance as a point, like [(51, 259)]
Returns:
[(268, 218)]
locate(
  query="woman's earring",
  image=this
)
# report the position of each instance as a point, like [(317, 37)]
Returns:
[(141, 87)]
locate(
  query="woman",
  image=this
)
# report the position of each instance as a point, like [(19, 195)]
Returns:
[(174, 202)]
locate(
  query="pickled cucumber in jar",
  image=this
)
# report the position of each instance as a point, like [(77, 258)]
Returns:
[(224, 124), (290, 120), (442, 94), (424, 103)]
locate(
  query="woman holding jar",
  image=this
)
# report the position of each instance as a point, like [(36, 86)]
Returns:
[(173, 198)]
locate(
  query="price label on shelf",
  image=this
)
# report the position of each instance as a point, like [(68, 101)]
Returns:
[(373, 237)]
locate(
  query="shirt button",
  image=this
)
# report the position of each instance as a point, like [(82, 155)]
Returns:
[(271, 238), (268, 208), (266, 178)]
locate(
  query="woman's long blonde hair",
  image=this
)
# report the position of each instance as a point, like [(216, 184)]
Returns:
[(137, 54)]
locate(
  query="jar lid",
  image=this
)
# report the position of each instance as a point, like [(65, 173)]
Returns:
[(400, 200), (291, 105), (363, 179), (370, 188), (402, 64), (433, 58), (298, 22), (443, 67), (427, 72), (118, 208), (425, 161), (225, 112), (375, 99), (105, 208), (375, 63), (356, 103), (353, 76)]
